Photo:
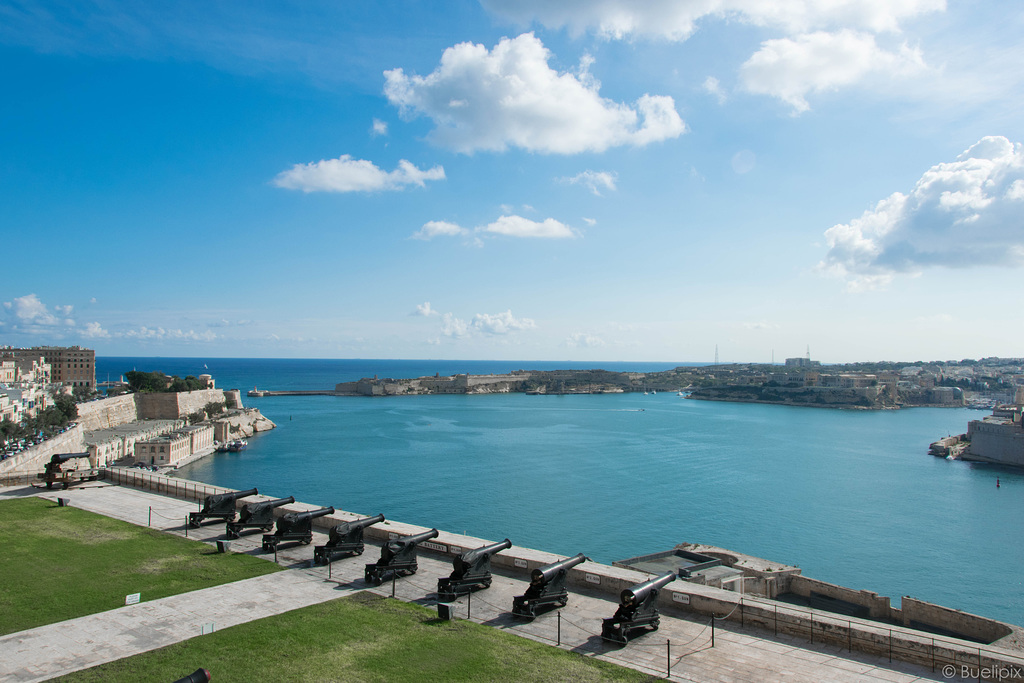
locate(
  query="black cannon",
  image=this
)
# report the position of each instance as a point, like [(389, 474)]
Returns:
[(638, 606), (472, 570), (346, 537), (397, 557), (294, 526), (55, 474), (218, 506), (547, 587), (256, 516)]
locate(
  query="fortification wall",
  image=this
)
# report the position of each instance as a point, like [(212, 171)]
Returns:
[(916, 612), (108, 412), (1001, 443), (34, 459), (878, 605), (174, 406)]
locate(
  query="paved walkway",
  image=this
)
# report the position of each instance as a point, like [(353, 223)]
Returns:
[(738, 654)]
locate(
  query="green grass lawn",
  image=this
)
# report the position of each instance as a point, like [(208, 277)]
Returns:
[(360, 638), (58, 563)]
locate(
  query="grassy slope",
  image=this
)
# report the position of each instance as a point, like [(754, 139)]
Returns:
[(360, 638), (58, 563)]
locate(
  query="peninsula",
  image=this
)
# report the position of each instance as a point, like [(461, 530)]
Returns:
[(799, 382)]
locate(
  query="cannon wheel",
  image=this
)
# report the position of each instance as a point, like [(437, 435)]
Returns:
[(562, 602), (486, 583), (655, 623)]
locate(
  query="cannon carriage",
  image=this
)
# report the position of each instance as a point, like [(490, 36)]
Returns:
[(220, 506), (547, 587), (56, 474), (294, 526), (256, 516), (346, 537), (638, 607), (397, 558), (471, 571)]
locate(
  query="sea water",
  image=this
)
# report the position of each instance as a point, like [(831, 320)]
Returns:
[(852, 497)]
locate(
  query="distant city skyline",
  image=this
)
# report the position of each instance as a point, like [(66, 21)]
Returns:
[(514, 180)]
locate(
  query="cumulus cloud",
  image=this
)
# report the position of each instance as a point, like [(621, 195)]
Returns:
[(510, 96), (29, 312), (95, 331), (499, 324), (379, 127), (678, 19), (433, 229), (791, 68), (517, 226), (583, 340), (425, 310), (160, 333), (346, 174), (594, 181), (508, 226), (713, 87), (960, 214)]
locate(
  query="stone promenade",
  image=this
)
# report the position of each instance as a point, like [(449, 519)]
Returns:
[(683, 644)]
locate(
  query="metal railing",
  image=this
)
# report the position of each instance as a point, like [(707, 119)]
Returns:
[(160, 483), (942, 654)]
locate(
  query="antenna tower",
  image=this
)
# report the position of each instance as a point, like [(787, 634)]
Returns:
[(716, 354)]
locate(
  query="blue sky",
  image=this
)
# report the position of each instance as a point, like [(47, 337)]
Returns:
[(514, 180)]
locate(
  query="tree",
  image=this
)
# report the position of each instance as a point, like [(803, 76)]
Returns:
[(66, 405)]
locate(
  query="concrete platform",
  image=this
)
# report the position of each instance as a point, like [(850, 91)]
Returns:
[(683, 645)]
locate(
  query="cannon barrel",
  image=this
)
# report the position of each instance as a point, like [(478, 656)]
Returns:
[(299, 517), (470, 556), (229, 496), (637, 593), (59, 458), (342, 530), (418, 538), (548, 572), (275, 503)]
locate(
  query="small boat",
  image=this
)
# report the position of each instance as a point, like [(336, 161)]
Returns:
[(232, 446)]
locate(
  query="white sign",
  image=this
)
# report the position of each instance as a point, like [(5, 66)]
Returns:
[(520, 562), (392, 535), (455, 550), (681, 597), (593, 578), (434, 546), (132, 599)]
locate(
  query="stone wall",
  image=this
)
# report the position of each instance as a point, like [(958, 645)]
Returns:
[(108, 412), (916, 612), (878, 605), (174, 406), (993, 442), (34, 459)]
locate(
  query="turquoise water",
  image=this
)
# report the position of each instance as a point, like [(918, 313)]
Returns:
[(852, 497)]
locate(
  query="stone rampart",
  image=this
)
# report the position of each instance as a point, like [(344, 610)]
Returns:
[(995, 442), (173, 406), (33, 460), (877, 605), (847, 632), (916, 612), (108, 412)]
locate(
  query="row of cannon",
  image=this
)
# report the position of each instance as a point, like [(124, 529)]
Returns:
[(398, 557)]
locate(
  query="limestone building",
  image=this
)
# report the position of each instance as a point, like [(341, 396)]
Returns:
[(70, 365)]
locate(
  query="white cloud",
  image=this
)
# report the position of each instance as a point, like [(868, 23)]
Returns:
[(498, 324), (160, 333), (379, 127), (583, 340), (678, 19), (425, 310), (95, 331), (510, 96), (29, 311), (432, 229), (346, 174), (744, 161), (517, 226), (964, 213), (590, 221), (713, 87), (594, 181), (792, 68), (453, 327)]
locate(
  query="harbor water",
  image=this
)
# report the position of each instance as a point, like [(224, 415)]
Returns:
[(852, 497)]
